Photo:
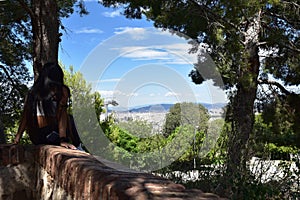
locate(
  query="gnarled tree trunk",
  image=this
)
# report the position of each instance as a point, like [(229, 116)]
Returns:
[(243, 108)]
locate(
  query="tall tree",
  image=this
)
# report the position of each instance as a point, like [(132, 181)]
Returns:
[(236, 32), (186, 113), (32, 28), (29, 31)]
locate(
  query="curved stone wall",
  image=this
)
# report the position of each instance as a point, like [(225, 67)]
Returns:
[(52, 172)]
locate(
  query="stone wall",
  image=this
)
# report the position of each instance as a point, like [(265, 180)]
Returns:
[(52, 172), (17, 172)]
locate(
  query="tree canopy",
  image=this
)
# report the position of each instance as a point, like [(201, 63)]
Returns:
[(249, 41), (271, 26), (29, 32), (252, 43), (186, 114)]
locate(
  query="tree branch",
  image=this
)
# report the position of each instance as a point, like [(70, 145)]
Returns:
[(8, 77), (209, 14), (281, 87), (213, 15), (25, 6)]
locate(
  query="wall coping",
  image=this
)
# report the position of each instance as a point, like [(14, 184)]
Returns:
[(79, 175)]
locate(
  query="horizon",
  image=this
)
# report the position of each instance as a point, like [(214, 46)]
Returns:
[(206, 105)]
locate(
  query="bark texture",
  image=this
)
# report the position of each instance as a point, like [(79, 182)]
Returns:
[(243, 110), (45, 29)]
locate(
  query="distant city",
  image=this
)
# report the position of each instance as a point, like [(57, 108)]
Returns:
[(155, 114)]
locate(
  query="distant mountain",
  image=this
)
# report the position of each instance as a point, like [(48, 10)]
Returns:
[(165, 108), (153, 108)]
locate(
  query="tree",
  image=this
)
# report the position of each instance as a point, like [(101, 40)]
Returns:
[(273, 141), (281, 111), (278, 125), (236, 32), (14, 76), (138, 128), (186, 113), (82, 99), (13, 82), (31, 29)]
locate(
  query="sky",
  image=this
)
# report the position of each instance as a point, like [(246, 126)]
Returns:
[(130, 61)]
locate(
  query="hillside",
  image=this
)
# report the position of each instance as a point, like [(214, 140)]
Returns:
[(165, 108)]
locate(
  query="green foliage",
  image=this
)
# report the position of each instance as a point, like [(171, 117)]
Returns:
[(217, 155), (14, 49), (11, 132), (276, 132), (16, 44), (280, 152), (86, 107), (186, 113), (123, 139), (138, 128), (15, 34), (81, 91), (78, 86), (271, 141), (185, 142), (13, 81), (17, 47), (182, 138), (235, 31), (271, 144), (173, 119), (66, 7), (223, 25), (149, 144), (283, 117), (21, 36)]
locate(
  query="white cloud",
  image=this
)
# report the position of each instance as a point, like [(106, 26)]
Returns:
[(127, 29), (171, 54), (110, 80), (176, 52), (147, 54), (89, 31), (106, 93), (136, 33), (113, 14), (171, 94), (116, 93)]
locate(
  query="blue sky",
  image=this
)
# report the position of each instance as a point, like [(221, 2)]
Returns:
[(130, 61)]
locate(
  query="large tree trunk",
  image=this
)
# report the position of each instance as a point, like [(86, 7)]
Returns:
[(2, 135), (45, 29), (243, 110), (243, 119)]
